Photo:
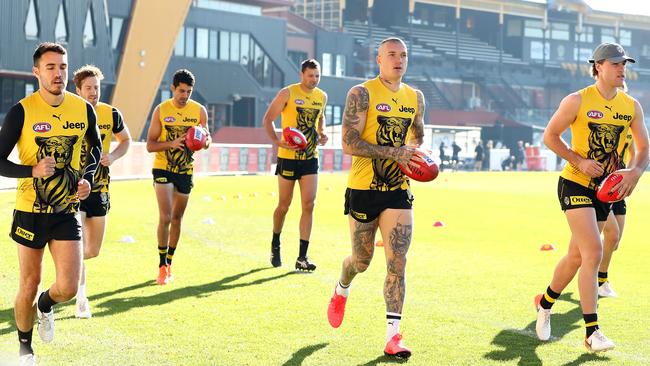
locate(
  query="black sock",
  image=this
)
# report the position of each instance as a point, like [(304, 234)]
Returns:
[(170, 255), (602, 278), (162, 253), (276, 240), (591, 323), (304, 244), (45, 302), (25, 339), (548, 299)]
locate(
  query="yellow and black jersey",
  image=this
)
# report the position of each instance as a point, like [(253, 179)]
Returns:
[(303, 111), (599, 132), (40, 130), (109, 121), (389, 118), (174, 123), (626, 155)]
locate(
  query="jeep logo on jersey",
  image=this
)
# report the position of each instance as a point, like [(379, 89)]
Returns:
[(405, 109), (595, 114), (68, 125), (170, 119), (624, 117), (299, 101), (106, 126), (383, 107), (193, 120), (42, 127)]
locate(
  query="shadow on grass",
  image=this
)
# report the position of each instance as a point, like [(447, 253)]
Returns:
[(121, 305), (384, 359), (300, 355), (521, 344)]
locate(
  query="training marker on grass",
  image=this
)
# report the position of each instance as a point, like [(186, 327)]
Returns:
[(438, 224), (547, 247), (128, 239), (379, 243), (208, 221), (207, 198)]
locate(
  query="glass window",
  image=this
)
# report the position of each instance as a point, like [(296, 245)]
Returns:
[(278, 77), (29, 89), (626, 37), (336, 117), (267, 71), (31, 23), (538, 50), (179, 50), (607, 35), (259, 63), (165, 94), (560, 31), (234, 47), (61, 26), (89, 29), (513, 28), (327, 64), (214, 51), (202, 43), (116, 32), (328, 111), (224, 46), (244, 49), (587, 35), (533, 29), (582, 54), (189, 42), (340, 65)]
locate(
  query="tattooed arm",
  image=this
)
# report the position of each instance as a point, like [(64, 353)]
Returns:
[(354, 122), (417, 136)]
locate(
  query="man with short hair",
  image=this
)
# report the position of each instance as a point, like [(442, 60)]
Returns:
[(48, 128), (382, 127), (173, 165), (94, 209), (302, 106)]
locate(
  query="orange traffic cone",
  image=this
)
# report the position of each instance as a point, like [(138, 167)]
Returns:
[(438, 224), (547, 247)]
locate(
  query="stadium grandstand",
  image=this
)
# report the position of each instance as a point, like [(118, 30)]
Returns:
[(489, 70)]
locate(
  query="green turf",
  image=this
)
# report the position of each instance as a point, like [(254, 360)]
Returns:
[(470, 283)]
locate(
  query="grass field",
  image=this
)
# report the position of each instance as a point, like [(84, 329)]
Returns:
[(470, 283)]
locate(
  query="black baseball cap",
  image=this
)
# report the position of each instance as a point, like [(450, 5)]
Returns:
[(613, 52)]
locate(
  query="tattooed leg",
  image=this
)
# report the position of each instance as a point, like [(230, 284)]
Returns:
[(397, 227), (363, 247)]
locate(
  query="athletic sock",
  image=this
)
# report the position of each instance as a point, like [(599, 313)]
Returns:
[(81, 292), (162, 253), (591, 323), (304, 245), (549, 298), (342, 290), (25, 339), (392, 325), (602, 278), (275, 242), (45, 302), (170, 255)]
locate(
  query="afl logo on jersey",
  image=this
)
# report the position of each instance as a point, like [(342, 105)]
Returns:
[(383, 107), (299, 101), (42, 127), (595, 114), (170, 119)]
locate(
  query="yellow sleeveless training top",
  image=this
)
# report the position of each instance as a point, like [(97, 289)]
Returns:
[(175, 122), (57, 132), (107, 122), (390, 116), (627, 156), (303, 111), (599, 132)]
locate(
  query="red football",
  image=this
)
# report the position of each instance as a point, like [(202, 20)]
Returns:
[(294, 137), (604, 193), (425, 171), (195, 138)]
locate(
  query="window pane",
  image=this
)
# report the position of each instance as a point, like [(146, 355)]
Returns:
[(327, 64), (31, 23), (538, 50), (607, 35), (224, 46), (116, 31), (244, 50), (560, 31), (189, 42), (213, 45), (533, 28), (61, 27), (340, 65), (89, 29), (626, 37), (336, 119), (259, 63), (234, 47), (201, 43), (180, 43)]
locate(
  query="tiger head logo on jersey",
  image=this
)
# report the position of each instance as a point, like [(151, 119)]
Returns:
[(306, 124), (392, 131), (603, 146), (57, 192), (178, 160)]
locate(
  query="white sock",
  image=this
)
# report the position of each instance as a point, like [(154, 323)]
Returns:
[(392, 325), (81, 292), (342, 291)]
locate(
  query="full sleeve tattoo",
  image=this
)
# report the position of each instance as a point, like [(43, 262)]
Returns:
[(94, 145)]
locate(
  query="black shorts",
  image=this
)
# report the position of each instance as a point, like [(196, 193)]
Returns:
[(366, 205), (97, 204), (619, 208), (182, 182), (573, 195), (296, 169), (34, 230)]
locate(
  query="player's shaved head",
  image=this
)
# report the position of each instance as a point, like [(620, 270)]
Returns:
[(390, 40)]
